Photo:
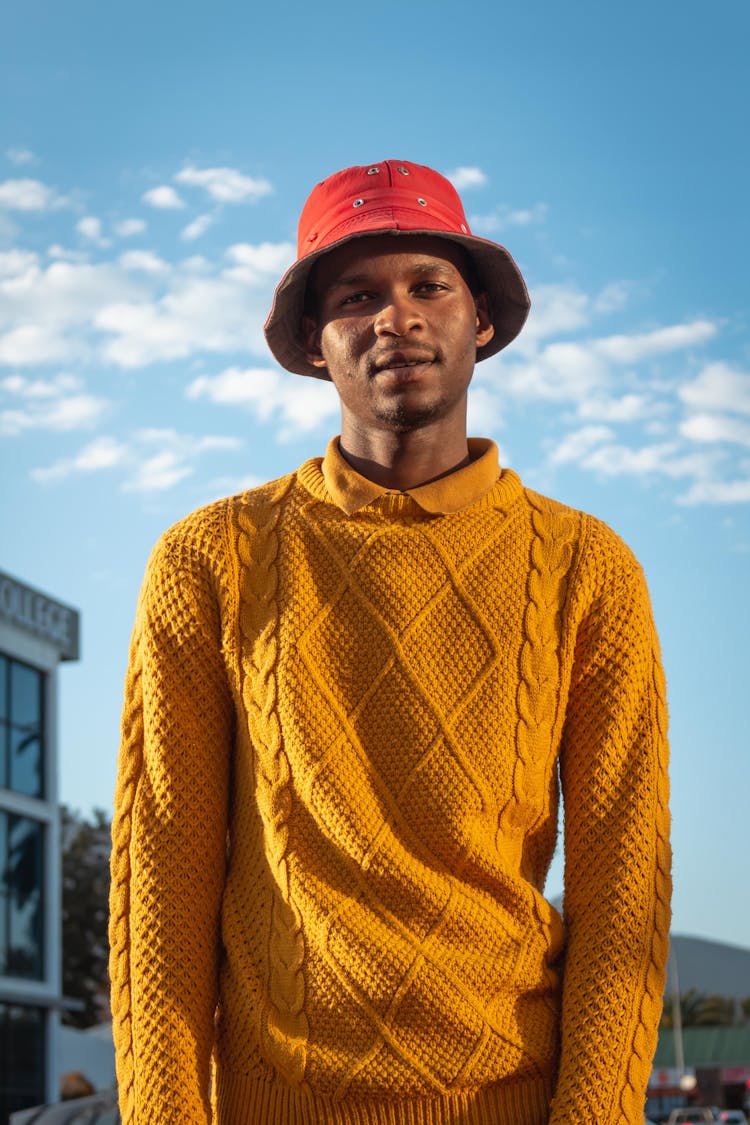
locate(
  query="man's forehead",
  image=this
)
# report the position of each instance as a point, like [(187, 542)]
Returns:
[(364, 256)]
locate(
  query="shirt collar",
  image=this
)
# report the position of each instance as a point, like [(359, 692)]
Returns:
[(350, 491)]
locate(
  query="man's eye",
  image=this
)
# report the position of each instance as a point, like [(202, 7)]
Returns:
[(430, 287), (355, 298)]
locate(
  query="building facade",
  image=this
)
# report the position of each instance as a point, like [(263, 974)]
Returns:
[(36, 634)]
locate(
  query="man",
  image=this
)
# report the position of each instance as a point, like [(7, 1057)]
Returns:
[(353, 697)]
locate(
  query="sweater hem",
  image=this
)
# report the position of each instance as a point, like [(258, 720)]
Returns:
[(249, 1100)]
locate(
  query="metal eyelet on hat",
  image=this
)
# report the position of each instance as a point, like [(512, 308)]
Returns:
[(463, 228), (421, 202), (313, 236), (402, 170), (372, 171), (357, 202)]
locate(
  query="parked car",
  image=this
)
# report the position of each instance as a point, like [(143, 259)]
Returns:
[(99, 1109), (692, 1115), (732, 1117)]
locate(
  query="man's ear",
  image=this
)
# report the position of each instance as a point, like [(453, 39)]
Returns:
[(485, 327), (311, 342)]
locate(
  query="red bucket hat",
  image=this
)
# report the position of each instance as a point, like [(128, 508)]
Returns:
[(393, 197)]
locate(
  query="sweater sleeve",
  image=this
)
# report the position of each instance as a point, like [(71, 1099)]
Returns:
[(169, 843), (617, 856)]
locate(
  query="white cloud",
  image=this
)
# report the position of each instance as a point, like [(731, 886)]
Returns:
[(716, 492), (258, 263), (28, 195), (613, 297), (664, 459), (46, 313), (577, 445), (173, 459), (143, 261), (225, 185), (197, 314), (202, 316), (90, 228), (718, 387), (32, 344), (633, 349), (158, 472), (561, 372), (464, 178), (197, 264), (64, 254), (504, 217), (485, 413), (523, 217), (554, 309), (164, 198), (102, 453), (584, 371), (296, 404), (715, 428), (153, 459), (198, 227), (627, 408), (20, 156), (218, 487), (15, 262), (39, 388), (58, 404), (129, 227)]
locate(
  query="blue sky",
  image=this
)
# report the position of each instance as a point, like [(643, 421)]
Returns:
[(153, 162)]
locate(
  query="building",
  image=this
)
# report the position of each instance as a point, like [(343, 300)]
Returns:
[(716, 1060), (36, 634)]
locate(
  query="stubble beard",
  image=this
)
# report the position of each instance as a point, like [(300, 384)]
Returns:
[(405, 419)]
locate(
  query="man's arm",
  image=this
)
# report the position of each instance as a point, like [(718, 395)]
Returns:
[(617, 856), (169, 845)]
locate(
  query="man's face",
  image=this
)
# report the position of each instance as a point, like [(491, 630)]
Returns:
[(397, 327)]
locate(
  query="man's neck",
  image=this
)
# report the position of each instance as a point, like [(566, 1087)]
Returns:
[(403, 461)]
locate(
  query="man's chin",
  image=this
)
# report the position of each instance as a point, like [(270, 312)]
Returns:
[(404, 417)]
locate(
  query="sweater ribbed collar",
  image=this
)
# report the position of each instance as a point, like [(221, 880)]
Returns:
[(351, 492)]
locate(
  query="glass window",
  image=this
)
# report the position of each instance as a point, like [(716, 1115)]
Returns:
[(21, 897), (22, 1058), (21, 728), (3, 688), (3, 720), (4, 895)]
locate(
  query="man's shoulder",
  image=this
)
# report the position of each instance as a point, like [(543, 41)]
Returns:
[(201, 533), (594, 537)]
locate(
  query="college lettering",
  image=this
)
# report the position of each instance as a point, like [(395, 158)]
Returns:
[(25, 607)]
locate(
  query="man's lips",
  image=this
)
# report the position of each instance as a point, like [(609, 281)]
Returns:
[(401, 361)]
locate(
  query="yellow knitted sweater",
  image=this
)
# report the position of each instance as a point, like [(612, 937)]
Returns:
[(348, 716)]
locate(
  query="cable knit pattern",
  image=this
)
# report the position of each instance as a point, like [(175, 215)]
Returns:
[(122, 830), (284, 1018), (343, 742)]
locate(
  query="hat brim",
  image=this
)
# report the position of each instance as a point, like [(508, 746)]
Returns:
[(497, 273)]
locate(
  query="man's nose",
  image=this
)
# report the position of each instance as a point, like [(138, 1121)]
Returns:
[(398, 316)]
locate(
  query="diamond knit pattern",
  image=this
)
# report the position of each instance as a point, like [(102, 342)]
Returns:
[(343, 742)]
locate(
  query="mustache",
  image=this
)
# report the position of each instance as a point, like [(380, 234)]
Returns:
[(401, 357)]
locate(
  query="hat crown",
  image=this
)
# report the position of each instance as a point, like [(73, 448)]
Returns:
[(390, 195), (372, 199)]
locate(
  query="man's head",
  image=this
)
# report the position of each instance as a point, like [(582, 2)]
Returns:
[(397, 199), (395, 324)]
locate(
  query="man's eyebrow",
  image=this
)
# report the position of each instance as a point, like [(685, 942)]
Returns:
[(349, 279)]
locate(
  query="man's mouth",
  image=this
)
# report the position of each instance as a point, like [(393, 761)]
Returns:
[(401, 361)]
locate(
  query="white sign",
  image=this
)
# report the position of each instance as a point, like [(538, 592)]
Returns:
[(34, 611), (670, 1078)]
